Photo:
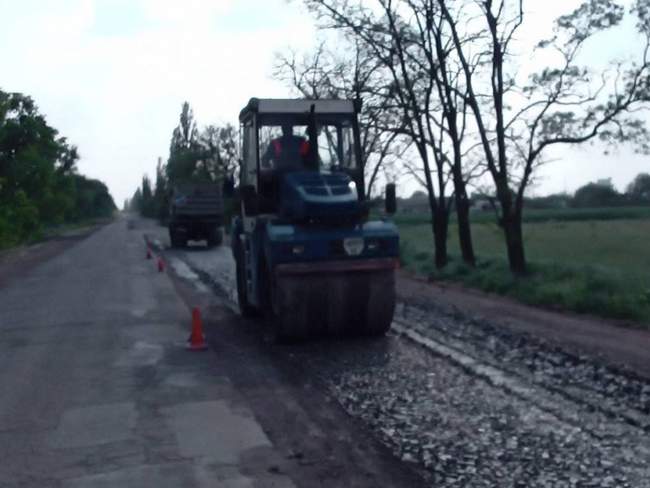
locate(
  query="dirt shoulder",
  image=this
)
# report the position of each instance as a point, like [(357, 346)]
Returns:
[(608, 339), (18, 261)]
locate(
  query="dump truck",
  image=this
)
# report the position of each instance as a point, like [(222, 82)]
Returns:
[(196, 213), (306, 253)]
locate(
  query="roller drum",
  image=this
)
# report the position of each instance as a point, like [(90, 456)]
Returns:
[(333, 304)]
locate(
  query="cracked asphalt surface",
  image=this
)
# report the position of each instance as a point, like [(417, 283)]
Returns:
[(470, 403)]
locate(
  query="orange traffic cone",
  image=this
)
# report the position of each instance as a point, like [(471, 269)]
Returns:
[(161, 265), (197, 339), (148, 252)]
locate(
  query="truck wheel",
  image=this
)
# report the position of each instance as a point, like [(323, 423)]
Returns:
[(178, 242), (215, 238), (173, 237), (246, 309)]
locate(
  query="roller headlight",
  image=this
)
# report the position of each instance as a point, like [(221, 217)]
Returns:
[(353, 246)]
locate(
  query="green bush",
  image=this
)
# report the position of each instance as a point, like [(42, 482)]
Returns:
[(6, 234), (25, 216)]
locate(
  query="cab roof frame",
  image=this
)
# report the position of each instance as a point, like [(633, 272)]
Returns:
[(299, 106)]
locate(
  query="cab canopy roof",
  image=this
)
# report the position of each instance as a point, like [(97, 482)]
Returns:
[(298, 106)]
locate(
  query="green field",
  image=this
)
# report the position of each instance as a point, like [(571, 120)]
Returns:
[(546, 215), (592, 266)]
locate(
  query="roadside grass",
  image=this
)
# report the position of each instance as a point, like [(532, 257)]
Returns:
[(53, 231), (72, 228), (596, 267)]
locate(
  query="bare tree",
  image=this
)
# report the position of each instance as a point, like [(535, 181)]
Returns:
[(453, 71), (560, 105), (353, 75), (436, 59), (410, 93)]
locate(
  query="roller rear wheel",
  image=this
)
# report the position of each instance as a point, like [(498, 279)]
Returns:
[(246, 309)]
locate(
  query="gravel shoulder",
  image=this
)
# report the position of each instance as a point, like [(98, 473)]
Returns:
[(615, 342)]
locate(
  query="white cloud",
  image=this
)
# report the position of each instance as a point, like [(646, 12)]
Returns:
[(185, 12)]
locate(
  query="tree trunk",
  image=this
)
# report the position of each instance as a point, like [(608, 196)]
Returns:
[(515, 244), (464, 229), (511, 214), (440, 231), (439, 214)]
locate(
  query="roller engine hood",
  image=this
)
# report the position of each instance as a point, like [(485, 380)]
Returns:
[(319, 197)]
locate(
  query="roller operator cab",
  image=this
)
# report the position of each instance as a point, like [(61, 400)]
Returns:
[(306, 253)]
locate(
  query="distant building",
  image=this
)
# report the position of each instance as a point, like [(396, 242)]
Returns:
[(417, 203), (481, 205)]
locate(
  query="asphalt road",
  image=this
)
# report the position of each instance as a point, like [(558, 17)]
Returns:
[(97, 389)]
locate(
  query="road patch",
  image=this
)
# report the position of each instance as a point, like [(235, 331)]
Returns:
[(91, 426), (214, 431)]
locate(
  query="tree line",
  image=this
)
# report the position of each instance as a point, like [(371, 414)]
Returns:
[(39, 182), (604, 194), (601, 193), (447, 102), (207, 154)]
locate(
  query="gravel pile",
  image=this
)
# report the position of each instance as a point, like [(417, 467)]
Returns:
[(617, 392), (465, 430)]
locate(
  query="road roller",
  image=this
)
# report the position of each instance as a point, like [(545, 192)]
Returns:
[(309, 259)]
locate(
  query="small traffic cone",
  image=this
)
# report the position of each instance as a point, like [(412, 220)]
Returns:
[(161, 264), (197, 339), (148, 252)]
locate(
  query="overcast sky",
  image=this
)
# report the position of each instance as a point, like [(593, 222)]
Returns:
[(111, 75)]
